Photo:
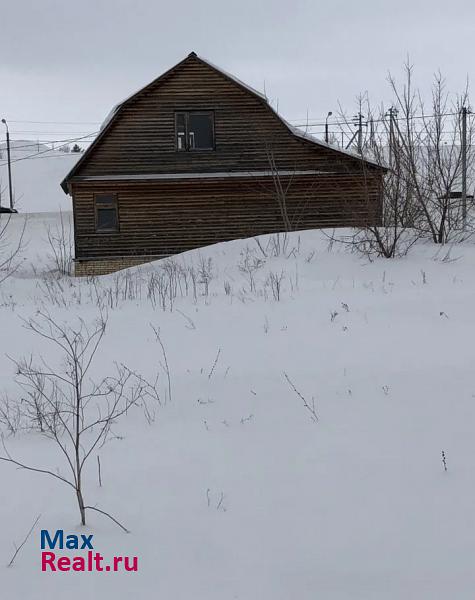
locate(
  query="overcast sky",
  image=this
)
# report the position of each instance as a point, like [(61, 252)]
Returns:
[(71, 60)]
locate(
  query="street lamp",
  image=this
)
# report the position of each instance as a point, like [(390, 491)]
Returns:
[(10, 189), (326, 126)]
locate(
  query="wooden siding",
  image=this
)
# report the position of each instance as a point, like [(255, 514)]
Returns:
[(160, 218), (141, 138)]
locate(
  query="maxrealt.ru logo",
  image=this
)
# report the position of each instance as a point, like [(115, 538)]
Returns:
[(88, 560)]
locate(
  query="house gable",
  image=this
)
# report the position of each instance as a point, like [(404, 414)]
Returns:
[(139, 136)]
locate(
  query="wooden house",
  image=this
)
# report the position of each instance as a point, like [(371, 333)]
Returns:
[(198, 157)]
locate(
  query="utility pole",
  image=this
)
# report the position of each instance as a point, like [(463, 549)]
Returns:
[(360, 133), (372, 140), (10, 190), (392, 112), (464, 112)]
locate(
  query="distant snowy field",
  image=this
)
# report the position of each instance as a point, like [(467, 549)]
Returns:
[(233, 491), (37, 173)]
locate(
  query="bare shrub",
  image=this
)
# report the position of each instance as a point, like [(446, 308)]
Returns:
[(60, 239), (10, 415), (274, 281), (432, 155), (422, 149), (277, 244), (248, 264), (205, 273)]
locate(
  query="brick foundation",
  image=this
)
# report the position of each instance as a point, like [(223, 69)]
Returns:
[(103, 266)]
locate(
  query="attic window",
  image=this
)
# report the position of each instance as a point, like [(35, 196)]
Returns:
[(107, 216), (194, 130)]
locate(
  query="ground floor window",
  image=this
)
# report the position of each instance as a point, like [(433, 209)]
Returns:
[(107, 213)]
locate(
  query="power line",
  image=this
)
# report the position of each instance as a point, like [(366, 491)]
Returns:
[(380, 120), (295, 122), (43, 142), (59, 122), (61, 155), (302, 122), (64, 142), (40, 132), (49, 149)]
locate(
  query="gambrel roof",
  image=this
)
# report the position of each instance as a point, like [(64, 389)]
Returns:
[(117, 109)]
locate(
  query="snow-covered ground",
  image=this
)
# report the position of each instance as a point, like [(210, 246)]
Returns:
[(233, 491)]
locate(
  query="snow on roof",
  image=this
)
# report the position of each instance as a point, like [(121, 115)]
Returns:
[(311, 138), (110, 115), (115, 108), (233, 77), (296, 131)]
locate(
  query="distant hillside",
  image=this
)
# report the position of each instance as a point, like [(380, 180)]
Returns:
[(22, 147), (37, 171)]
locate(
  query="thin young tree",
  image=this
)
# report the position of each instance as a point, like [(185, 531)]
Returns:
[(281, 188), (291, 198), (68, 406)]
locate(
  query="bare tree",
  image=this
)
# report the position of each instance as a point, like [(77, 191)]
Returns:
[(390, 212), (69, 407), (422, 152), (431, 151)]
